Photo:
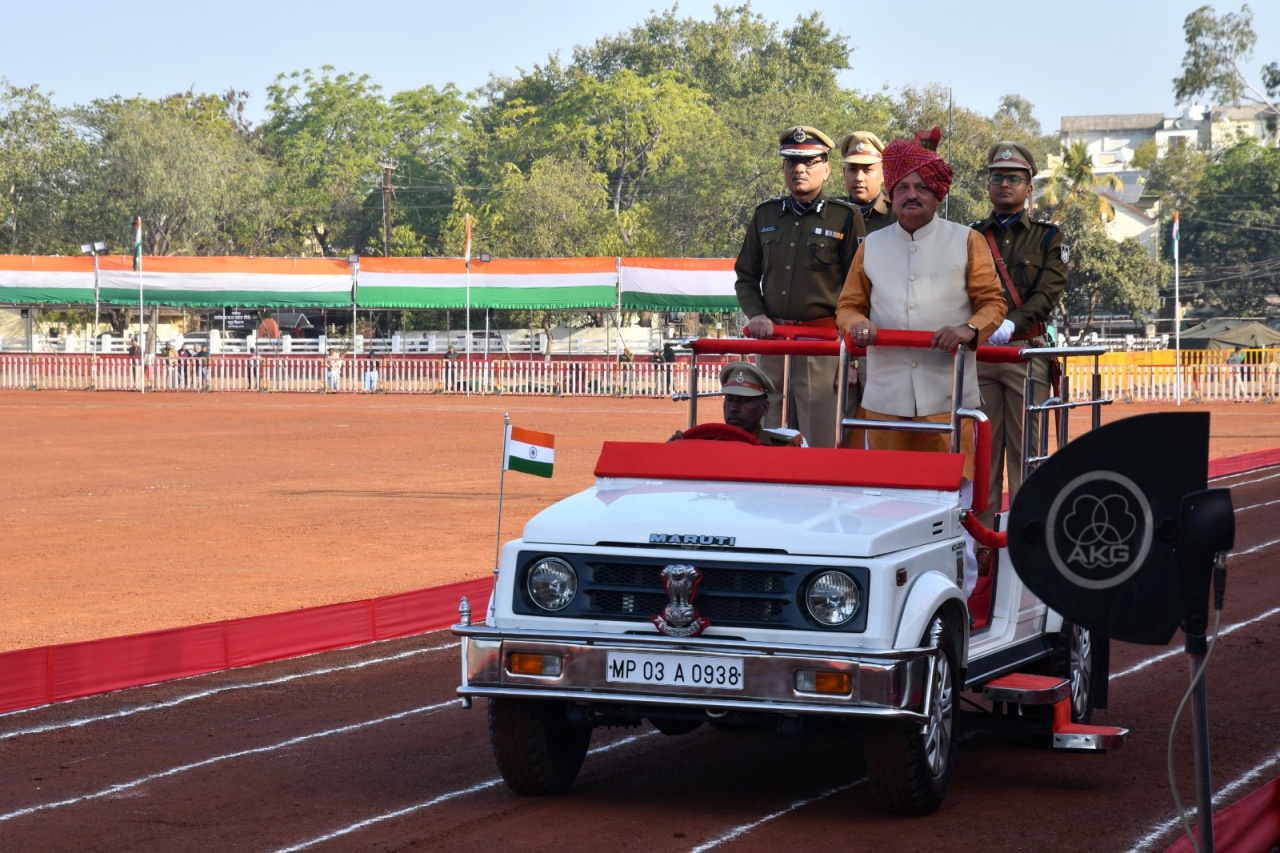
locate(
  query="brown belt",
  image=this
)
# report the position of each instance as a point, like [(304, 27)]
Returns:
[(820, 323), (1036, 331)]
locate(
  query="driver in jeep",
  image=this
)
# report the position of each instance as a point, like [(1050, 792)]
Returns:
[(746, 392)]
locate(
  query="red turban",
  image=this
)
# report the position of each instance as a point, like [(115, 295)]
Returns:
[(904, 156)]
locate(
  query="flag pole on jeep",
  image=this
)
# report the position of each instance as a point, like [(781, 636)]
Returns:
[(502, 481), (527, 451)]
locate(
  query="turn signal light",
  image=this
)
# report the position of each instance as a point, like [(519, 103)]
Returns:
[(810, 681), (527, 664)]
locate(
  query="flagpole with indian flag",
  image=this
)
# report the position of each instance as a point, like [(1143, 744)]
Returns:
[(522, 450), (1177, 317), (466, 259), (137, 267)]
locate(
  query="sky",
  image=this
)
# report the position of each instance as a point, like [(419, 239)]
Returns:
[(1092, 57)]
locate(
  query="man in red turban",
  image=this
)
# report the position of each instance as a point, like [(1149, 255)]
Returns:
[(921, 273), (903, 156)]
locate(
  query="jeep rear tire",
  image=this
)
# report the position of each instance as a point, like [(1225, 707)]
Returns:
[(1075, 662), (537, 749), (910, 764)]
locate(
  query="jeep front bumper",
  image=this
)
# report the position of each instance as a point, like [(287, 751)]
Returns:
[(880, 684)]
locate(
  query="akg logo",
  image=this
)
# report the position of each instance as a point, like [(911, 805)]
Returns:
[(1099, 529)]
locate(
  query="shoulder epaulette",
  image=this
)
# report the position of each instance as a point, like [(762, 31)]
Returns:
[(774, 200), (845, 203)]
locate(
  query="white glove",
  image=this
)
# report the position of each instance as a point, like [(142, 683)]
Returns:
[(1001, 336)]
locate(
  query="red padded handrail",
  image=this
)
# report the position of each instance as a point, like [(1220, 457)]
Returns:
[(982, 465), (749, 346)]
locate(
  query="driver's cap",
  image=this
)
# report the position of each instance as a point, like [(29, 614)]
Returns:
[(744, 379)]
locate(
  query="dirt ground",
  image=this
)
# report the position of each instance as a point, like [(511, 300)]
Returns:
[(126, 513)]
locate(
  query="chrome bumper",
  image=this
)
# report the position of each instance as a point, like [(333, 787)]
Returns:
[(884, 685)]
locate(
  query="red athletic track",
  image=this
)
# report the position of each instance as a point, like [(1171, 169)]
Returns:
[(259, 766)]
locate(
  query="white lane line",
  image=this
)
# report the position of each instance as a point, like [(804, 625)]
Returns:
[(1258, 506), (738, 831), (434, 801), (213, 691), (1256, 548), (1145, 842), (218, 759), (1165, 655), (1262, 479)]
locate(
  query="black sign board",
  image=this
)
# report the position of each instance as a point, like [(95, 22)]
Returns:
[(1094, 530), (237, 319)]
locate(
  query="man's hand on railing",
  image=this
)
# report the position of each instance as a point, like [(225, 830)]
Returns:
[(760, 327), (863, 333), (951, 338)]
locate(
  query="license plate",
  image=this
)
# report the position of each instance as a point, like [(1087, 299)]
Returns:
[(674, 670)]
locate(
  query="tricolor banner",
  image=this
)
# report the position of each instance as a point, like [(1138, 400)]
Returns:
[(529, 451), (137, 245), (1176, 216)]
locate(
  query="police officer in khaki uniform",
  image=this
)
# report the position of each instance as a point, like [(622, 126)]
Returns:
[(746, 401), (793, 263), (1033, 274), (864, 179)]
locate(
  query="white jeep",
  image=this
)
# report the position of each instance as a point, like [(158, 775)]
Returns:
[(713, 581)]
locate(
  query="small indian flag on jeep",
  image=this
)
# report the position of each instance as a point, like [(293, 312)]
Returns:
[(529, 451)]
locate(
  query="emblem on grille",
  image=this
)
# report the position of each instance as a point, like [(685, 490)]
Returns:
[(680, 618)]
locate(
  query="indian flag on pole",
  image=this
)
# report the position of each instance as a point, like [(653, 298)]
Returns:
[(529, 451), (137, 245), (466, 249), (1176, 216)]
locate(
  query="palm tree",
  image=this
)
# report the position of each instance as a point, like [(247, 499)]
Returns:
[(1075, 177)]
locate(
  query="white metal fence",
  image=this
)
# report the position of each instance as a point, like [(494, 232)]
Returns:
[(409, 375), (363, 374)]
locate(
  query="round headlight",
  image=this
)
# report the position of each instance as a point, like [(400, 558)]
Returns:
[(832, 598), (552, 583)]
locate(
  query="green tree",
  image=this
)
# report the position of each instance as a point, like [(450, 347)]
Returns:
[(1230, 236), (1177, 178), (1217, 48), (1075, 177), (185, 166), (329, 136), (39, 155), (1104, 275)]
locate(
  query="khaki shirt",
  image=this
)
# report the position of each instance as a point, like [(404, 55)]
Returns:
[(880, 216), (1037, 262), (793, 267)]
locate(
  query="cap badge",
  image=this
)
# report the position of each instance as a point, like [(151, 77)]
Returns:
[(859, 148), (740, 376), (1007, 154), (799, 135)]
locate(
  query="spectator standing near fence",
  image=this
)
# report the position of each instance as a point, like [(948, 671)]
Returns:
[(1032, 262), (794, 258), (333, 369), (1235, 369), (202, 359), (135, 358)]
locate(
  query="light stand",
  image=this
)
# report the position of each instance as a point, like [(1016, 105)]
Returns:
[(95, 249), (1206, 531)]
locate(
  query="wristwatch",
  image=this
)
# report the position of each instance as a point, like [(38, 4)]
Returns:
[(974, 343)]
